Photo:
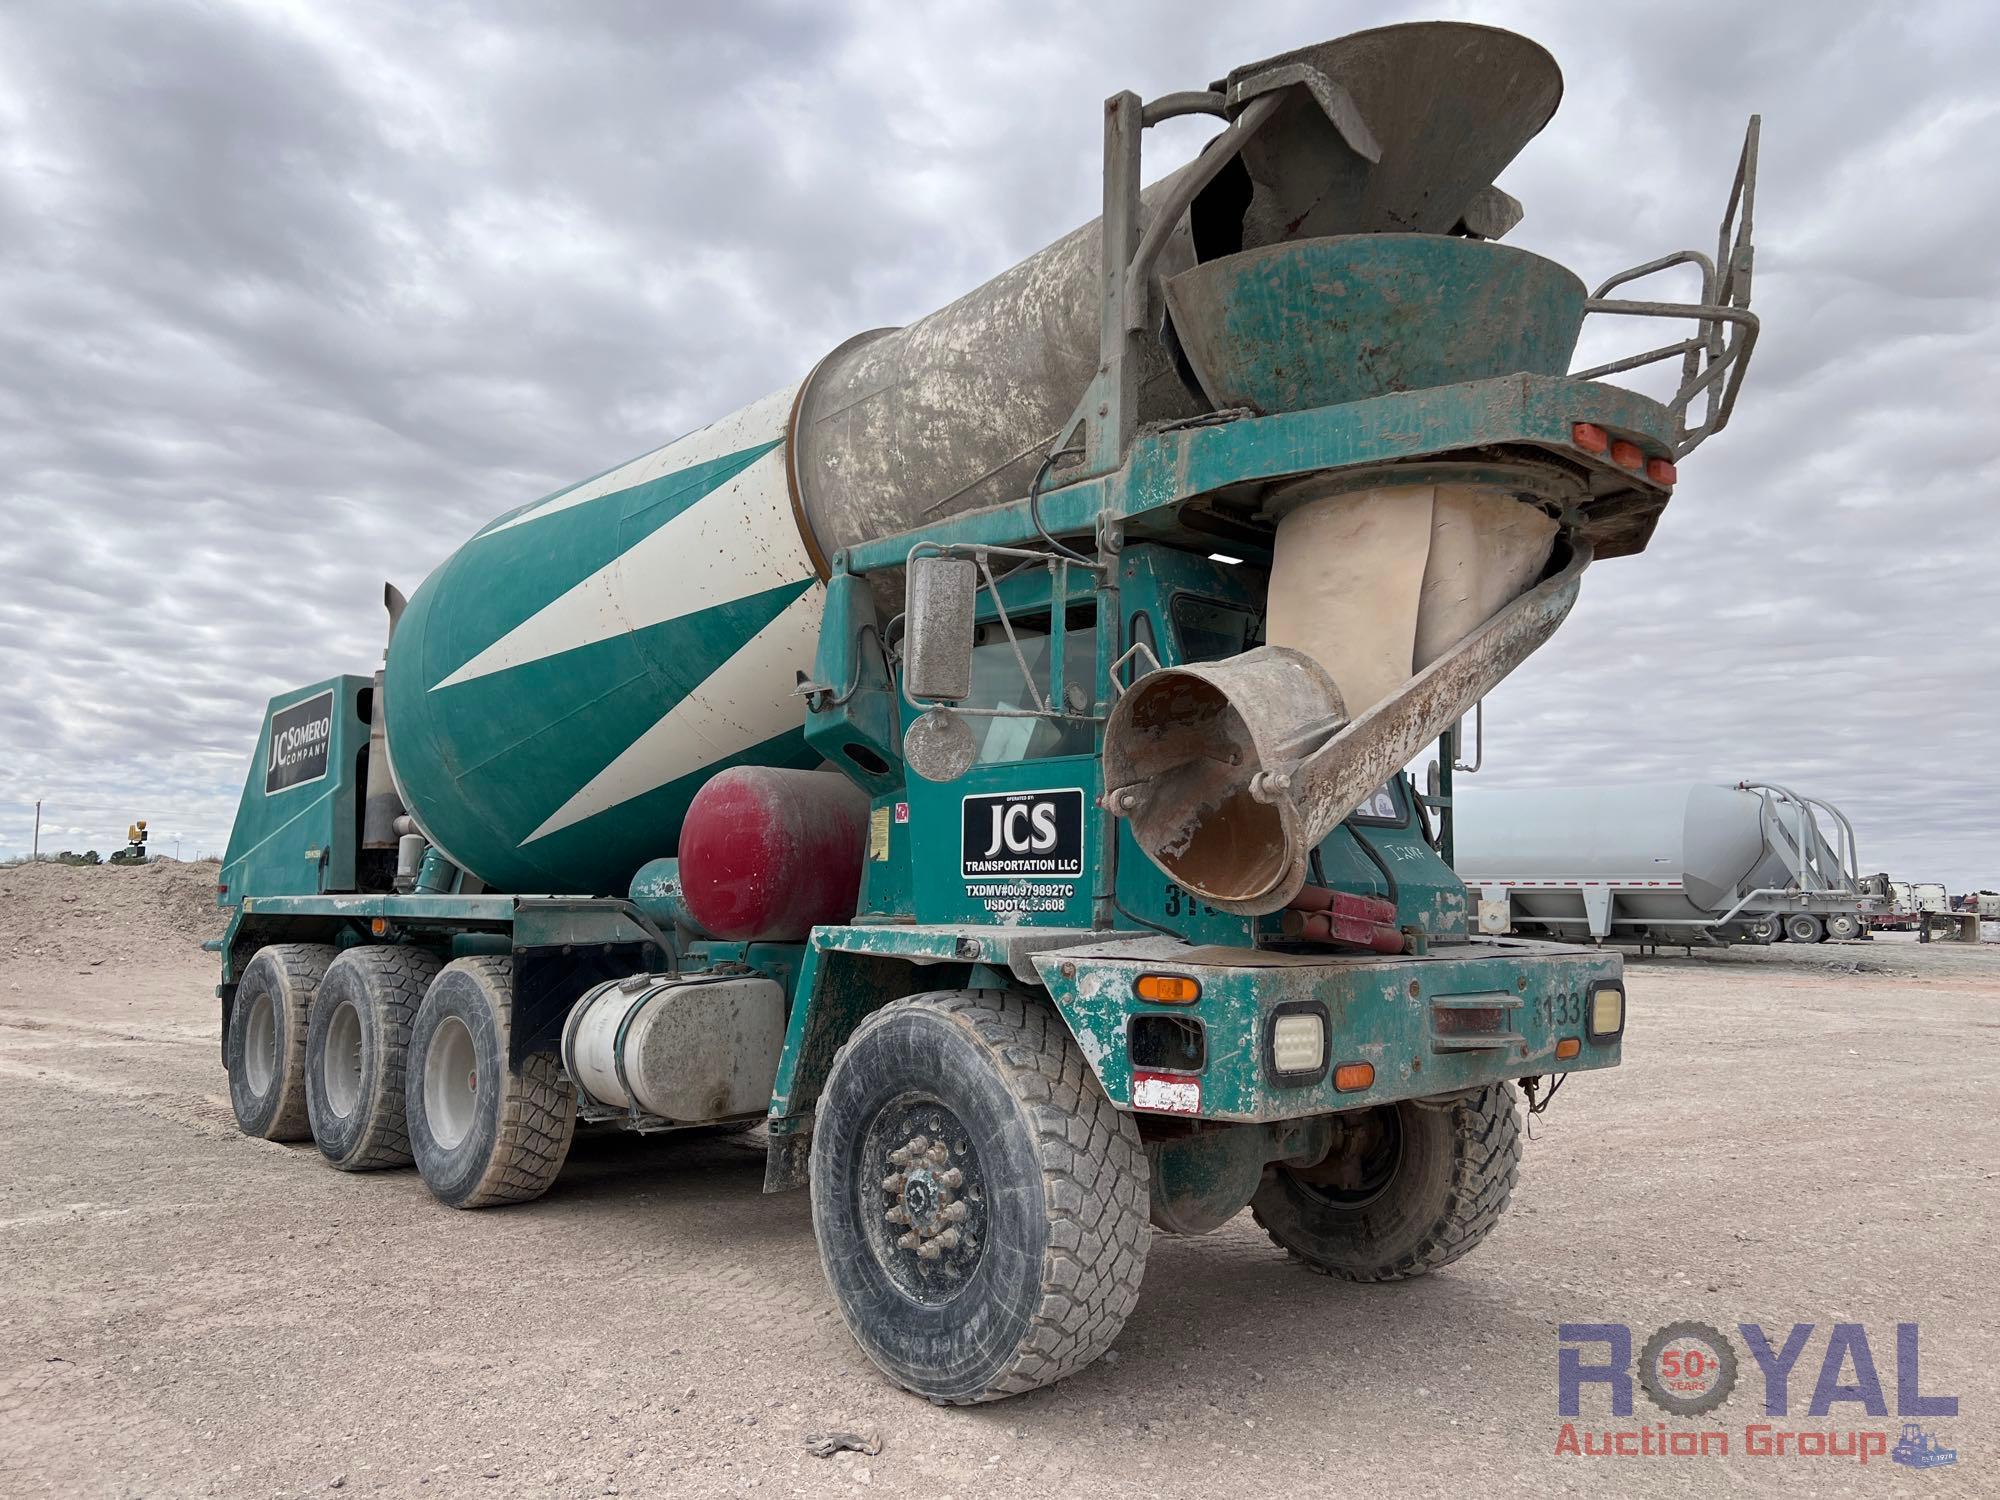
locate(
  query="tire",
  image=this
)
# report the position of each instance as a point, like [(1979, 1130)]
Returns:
[(1804, 927), (502, 1137), (357, 1054), (1033, 1196), (1843, 927), (265, 1051), (1765, 930), (1434, 1182)]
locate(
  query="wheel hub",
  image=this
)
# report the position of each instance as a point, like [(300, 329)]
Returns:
[(933, 1200), (1367, 1152)]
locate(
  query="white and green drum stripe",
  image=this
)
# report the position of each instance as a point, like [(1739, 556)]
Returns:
[(564, 683)]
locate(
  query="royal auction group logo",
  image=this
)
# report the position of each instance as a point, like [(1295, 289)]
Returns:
[(1689, 1370)]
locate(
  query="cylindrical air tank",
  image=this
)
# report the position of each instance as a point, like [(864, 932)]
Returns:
[(561, 686), (768, 855)]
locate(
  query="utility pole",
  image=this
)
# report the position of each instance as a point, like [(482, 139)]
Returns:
[(35, 850)]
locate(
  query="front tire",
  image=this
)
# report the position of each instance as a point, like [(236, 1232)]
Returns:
[(357, 1055), (1421, 1185), (482, 1134), (265, 1050), (980, 1206)]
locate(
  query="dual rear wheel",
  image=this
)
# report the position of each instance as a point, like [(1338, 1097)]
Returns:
[(385, 1056)]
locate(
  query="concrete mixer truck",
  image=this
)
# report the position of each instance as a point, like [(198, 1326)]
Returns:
[(979, 763)]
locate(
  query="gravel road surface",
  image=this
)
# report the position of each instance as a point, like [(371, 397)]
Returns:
[(1797, 1136)]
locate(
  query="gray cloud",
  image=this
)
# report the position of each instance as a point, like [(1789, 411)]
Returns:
[(296, 298)]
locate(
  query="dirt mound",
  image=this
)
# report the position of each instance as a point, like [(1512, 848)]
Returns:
[(84, 913)]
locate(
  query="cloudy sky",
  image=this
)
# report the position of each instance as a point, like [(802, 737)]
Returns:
[(293, 297)]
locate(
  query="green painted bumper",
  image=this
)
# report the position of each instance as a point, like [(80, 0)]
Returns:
[(1459, 1017)]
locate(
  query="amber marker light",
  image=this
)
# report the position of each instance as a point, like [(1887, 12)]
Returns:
[(1352, 1078), (1168, 989), (1568, 1047)]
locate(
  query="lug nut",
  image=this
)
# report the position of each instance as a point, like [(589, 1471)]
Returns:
[(952, 1178), (946, 1241), (893, 1183), (955, 1213)]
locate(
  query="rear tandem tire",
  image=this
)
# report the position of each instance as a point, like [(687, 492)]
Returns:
[(980, 1206), (1804, 927), (1843, 927), (356, 1055), (265, 1051), (1766, 929), (1448, 1173), (482, 1134)]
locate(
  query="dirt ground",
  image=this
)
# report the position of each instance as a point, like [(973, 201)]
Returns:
[(1797, 1136)]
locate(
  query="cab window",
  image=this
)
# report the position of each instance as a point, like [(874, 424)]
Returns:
[(997, 683), (1209, 630)]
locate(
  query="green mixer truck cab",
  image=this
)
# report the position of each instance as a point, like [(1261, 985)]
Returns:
[(1013, 825)]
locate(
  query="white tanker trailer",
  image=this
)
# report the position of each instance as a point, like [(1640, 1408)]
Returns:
[(1664, 862)]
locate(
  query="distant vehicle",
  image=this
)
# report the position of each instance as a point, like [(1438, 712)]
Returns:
[(1983, 904), (134, 852), (1908, 901), (1673, 862)]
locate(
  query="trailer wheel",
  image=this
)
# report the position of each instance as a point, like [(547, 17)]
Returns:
[(482, 1134), (1804, 927), (357, 1054), (1412, 1187), (980, 1206), (265, 1050), (1843, 927), (1766, 929)]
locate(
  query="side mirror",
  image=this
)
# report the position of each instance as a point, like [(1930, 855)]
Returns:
[(938, 598)]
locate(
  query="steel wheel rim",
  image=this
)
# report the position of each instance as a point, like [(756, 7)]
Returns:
[(1379, 1166), (451, 1082), (260, 1045), (923, 1198), (340, 1066)]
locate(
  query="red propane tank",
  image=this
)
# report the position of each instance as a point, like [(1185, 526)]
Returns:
[(766, 855)]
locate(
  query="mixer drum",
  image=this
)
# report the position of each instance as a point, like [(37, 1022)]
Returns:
[(560, 688)]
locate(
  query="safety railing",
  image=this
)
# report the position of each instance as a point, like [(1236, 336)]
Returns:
[(1716, 355)]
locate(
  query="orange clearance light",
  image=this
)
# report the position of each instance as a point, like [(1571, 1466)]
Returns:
[(1352, 1078), (1661, 471), (1626, 455), (379, 926), (1567, 1048), (1590, 437), (1168, 989)]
